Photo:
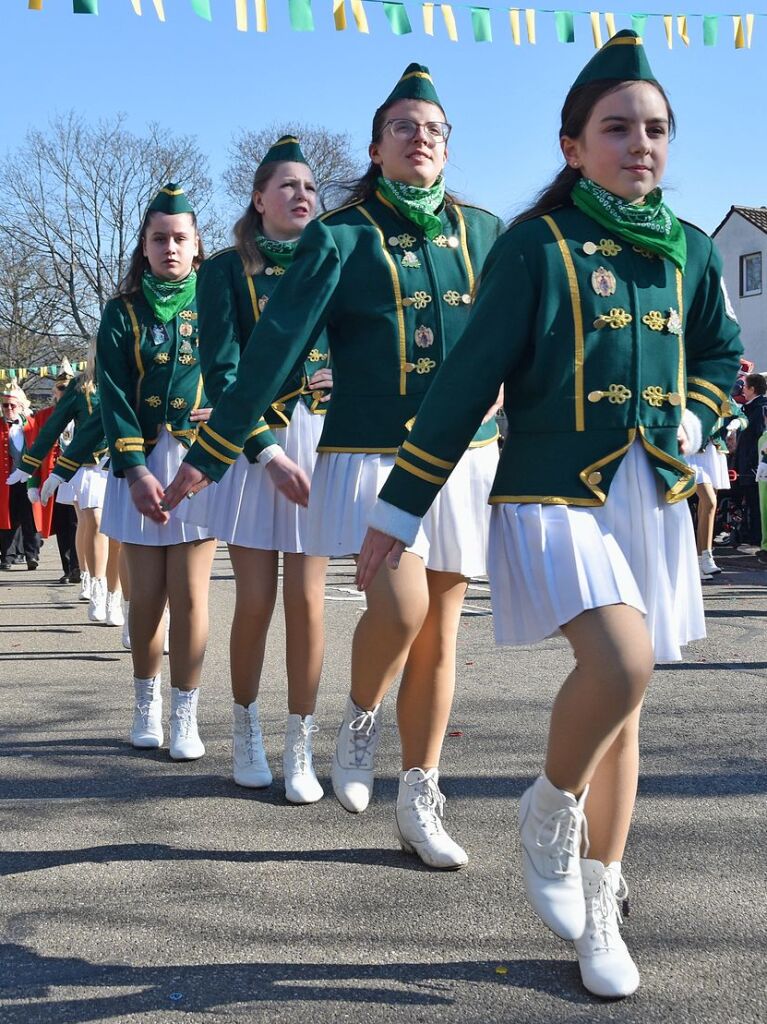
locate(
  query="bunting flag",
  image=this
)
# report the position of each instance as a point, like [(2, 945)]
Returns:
[(22, 372), (301, 16)]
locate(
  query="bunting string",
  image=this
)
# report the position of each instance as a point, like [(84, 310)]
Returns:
[(20, 373), (565, 23)]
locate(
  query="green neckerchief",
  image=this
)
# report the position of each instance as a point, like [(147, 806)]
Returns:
[(417, 204), (167, 298), (280, 253), (650, 224)]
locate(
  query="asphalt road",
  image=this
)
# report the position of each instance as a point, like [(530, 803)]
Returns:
[(138, 890)]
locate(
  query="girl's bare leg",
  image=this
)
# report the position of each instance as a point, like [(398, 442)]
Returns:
[(303, 588), (255, 573), (187, 581)]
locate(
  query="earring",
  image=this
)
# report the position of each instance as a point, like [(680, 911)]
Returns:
[(575, 164)]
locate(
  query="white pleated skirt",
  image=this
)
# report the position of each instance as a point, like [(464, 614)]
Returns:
[(122, 521), (89, 485), (710, 467), (245, 508), (454, 532), (549, 563), (65, 494)]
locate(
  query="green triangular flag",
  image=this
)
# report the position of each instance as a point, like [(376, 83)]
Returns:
[(85, 7), (710, 29), (301, 17), (639, 23), (202, 9), (480, 24), (565, 26), (397, 18)]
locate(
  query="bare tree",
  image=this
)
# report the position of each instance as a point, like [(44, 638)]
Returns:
[(71, 199), (328, 153)]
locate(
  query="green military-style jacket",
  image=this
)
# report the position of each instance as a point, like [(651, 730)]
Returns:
[(230, 303), (149, 378), (85, 449), (393, 304), (75, 404), (599, 343)]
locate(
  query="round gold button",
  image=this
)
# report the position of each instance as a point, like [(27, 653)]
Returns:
[(407, 301), (594, 396), (278, 406), (466, 299), (269, 271), (674, 398), (590, 248), (394, 240), (453, 242), (594, 478)]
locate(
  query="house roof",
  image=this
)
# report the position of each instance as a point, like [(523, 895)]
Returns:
[(756, 215)]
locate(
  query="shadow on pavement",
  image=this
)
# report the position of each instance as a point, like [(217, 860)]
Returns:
[(214, 986)]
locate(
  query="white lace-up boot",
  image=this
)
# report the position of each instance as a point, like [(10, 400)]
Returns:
[(707, 564), (114, 613), (126, 625), (249, 764), (420, 806), (147, 714), (85, 586), (97, 609), (185, 742), (606, 966), (356, 745), (301, 784), (552, 831)]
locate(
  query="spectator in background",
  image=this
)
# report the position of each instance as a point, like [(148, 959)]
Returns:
[(747, 459), (17, 428)]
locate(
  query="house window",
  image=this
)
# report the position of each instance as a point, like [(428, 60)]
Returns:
[(751, 274)]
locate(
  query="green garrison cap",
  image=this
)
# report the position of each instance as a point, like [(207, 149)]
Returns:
[(286, 148), (416, 84), (622, 58), (170, 199)]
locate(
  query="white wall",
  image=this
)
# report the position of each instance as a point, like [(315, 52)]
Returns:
[(735, 239)]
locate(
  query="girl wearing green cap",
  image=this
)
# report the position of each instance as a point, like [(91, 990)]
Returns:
[(252, 508), (600, 303), (151, 397), (390, 278)]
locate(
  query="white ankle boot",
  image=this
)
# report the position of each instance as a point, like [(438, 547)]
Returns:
[(249, 764), (85, 586), (707, 564), (97, 609), (606, 966), (147, 715), (419, 821), (114, 613), (356, 745), (301, 785), (185, 742), (552, 831), (126, 625)]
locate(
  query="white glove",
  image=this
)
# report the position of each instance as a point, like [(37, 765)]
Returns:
[(50, 487), (761, 472), (18, 476), (33, 494)]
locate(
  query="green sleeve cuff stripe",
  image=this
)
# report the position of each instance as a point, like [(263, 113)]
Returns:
[(424, 456), (36, 463), (420, 473), (68, 463), (221, 440), (716, 391), (212, 451), (696, 396)]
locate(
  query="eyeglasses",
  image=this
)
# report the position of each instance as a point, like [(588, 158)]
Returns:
[(405, 130), (8, 405)]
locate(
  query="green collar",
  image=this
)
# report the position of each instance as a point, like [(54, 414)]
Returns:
[(167, 298)]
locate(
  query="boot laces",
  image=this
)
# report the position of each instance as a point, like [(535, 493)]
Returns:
[(605, 914), (363, 737), (561, 835), (184, 718), (429, 803), (300, 747)]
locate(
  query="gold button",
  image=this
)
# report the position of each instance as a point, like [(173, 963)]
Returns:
[(407, 301), (595, 396), (594, 478), (590, 248), (278, 406), (394, 240), (409, 367), (466, 299), (674, 398), (269, 271), (453, 242)]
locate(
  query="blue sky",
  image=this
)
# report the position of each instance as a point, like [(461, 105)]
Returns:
[(208, 79)]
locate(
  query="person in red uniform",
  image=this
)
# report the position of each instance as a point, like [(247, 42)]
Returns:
[(17, 429)]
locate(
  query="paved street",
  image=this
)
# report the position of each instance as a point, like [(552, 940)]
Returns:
[(138, 890)]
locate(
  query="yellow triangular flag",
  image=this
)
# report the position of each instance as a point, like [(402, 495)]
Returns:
[(749, 29), (35, 5), (241, 14), (530, 24), (740, 40), (360, 18), (668, 24), (514, 19), (136, 7), (450, 25), (428, 19), (681, 27), (610, 22), (158, 6), (596, 29), (262, 16), (339, 15)]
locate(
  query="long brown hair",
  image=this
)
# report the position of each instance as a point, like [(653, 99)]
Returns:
[(251, 223), (363, 188), (576, 111), (131, 281)]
